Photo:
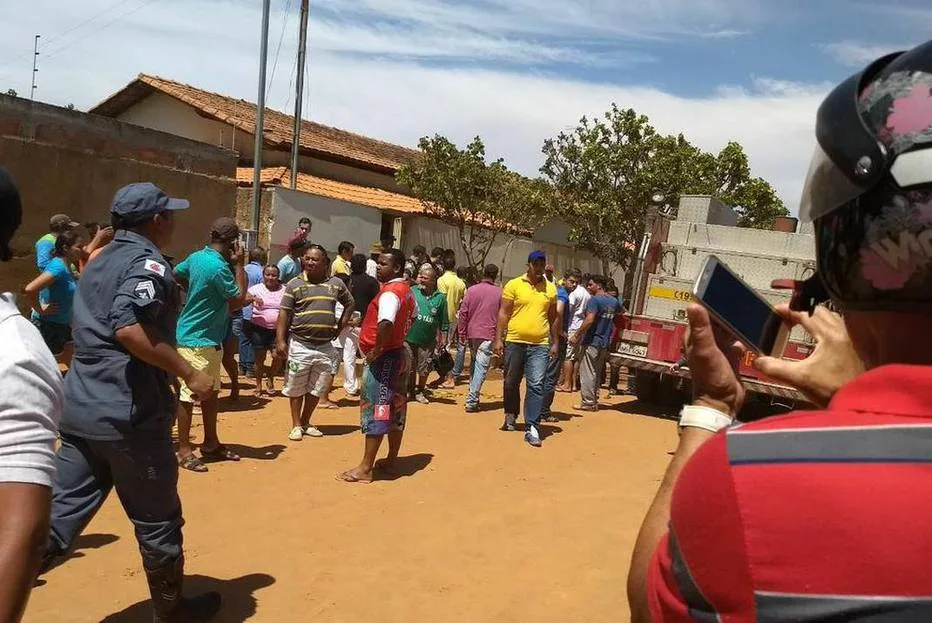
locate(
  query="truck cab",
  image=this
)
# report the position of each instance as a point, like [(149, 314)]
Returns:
[(675, 246)]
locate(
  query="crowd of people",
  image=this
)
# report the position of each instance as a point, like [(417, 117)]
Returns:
[(812, 516), (141, 339)]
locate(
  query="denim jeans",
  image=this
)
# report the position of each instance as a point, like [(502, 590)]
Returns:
[(529, 362), (247, 356), (481, 357), (550, 381), (459, 360)]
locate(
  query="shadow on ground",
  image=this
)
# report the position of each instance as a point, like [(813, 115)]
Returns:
[(245, 402), (264, 453), (566, 417), (405, 466), (239, 603), (336, 430), (85, 541)]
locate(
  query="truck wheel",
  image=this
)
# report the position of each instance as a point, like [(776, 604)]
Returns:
[(646, 385)]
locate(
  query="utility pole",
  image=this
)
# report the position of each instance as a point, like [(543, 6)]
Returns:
[(299, 93), (35, 67), (252, 237)]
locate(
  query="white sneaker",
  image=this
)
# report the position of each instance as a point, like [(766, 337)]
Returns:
[(296, 434), (312, 431)]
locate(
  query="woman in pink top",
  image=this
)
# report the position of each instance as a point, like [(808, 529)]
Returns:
[(260, 331)]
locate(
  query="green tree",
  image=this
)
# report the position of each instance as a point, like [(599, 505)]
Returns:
[(727, 176), (482, 200), (70, 106), (604, 174)]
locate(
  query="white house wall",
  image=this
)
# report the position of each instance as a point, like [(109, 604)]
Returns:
[(332, 221), (166, 114), (509, 253)]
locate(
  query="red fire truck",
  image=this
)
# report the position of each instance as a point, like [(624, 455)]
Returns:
[(673, 250)]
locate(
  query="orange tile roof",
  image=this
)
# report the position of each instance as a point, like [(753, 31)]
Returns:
[(362, 195), (315, 137)]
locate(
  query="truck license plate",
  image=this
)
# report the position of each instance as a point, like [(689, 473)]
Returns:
[(635, 350)]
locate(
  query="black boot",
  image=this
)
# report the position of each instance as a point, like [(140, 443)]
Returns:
[(169, 606)]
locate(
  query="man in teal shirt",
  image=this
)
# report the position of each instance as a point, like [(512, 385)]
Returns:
[(213, 292), (423, 337)]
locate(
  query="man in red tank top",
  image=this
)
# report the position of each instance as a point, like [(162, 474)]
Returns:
[(383, 399)]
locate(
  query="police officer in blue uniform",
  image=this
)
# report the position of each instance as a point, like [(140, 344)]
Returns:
[(119, 403)]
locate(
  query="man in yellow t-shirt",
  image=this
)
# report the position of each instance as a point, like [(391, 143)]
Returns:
[(341, 265), (527, 336), (455, 289)]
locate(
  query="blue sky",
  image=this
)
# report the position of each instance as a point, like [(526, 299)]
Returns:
[(513, 71)]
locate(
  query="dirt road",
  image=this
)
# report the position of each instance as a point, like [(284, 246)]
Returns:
[(481, 528)]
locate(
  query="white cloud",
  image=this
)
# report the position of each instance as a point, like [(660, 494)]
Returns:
[(371, 77), (565, 19), (856, 54)]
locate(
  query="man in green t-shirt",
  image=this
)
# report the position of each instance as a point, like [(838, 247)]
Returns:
[(428, 331)]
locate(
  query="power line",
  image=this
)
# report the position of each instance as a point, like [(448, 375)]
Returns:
[(99, 28), (281, 38), (291, 77), (58, 36)]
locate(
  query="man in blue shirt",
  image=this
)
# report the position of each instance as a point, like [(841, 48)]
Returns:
[(594, 337), (116, 426), (213, 293), (289, 266), (45, 246)]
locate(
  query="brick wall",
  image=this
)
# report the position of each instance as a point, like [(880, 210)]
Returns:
[(243, 213), (71, 162)]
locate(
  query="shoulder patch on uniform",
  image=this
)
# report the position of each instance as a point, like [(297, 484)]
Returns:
[(145, 290), (155, 267)]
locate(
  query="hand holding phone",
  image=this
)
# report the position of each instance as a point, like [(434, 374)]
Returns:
[(737, 307), (713, 357), (832, 364)]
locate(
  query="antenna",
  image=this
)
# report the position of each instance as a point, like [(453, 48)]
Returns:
[(35, 68)]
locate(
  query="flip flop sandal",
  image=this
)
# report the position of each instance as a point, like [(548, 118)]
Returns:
[(329, 405), (192, 463), (220, 453), (348, 477)]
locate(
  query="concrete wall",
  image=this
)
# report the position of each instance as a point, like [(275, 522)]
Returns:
[(705, 209), (742, 239), (71, 162), (243, 213), (332, 221), (166, 114)]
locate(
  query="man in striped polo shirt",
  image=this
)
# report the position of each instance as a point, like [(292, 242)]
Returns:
[(819, 515), (307, 323)]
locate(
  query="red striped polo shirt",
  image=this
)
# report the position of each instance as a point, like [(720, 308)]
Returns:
[(811, 516)]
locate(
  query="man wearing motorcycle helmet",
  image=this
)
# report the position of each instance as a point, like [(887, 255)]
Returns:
[(819, 515)]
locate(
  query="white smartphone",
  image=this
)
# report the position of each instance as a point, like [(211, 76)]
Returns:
[(739, 309)]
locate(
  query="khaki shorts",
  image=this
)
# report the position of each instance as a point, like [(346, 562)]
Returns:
[(205, 359), (422, 358), (574, 353)]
